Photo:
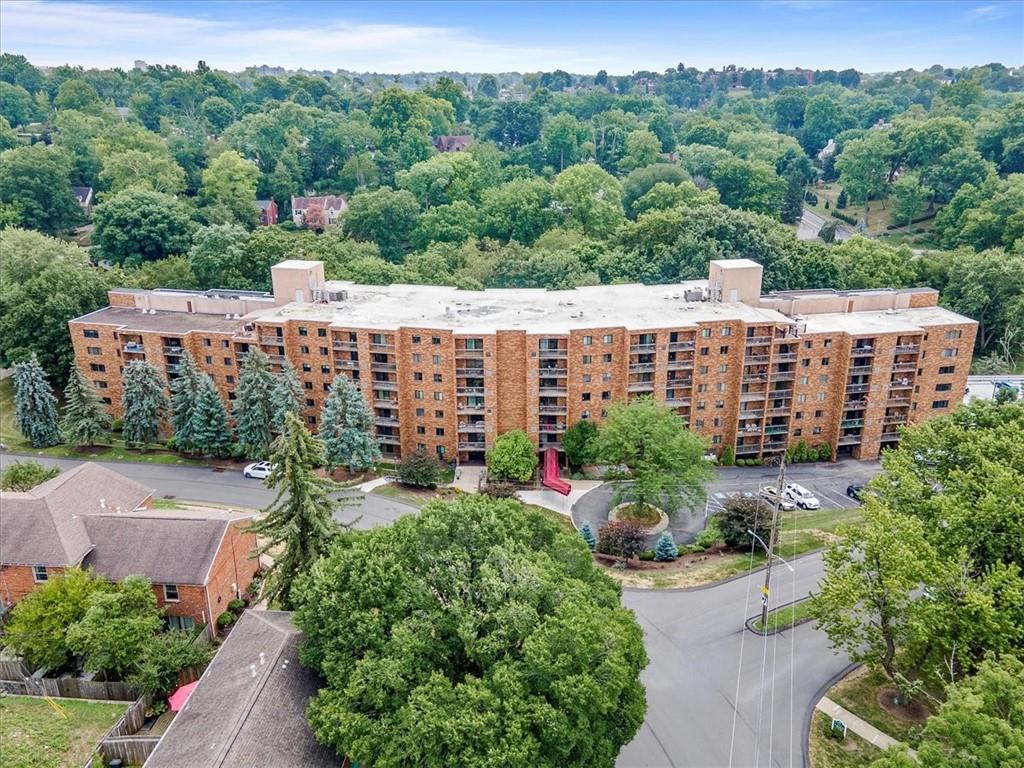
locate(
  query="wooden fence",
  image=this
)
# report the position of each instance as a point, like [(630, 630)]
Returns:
[(13, 669), (121, 741), (77, 688)]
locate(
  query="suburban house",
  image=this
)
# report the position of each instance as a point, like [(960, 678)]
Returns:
[(268, 212), (198, 560), (249, 706), (84, 196), (452, 143), (332, 206)]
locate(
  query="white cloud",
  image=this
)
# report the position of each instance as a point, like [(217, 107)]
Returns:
[(106, 35)]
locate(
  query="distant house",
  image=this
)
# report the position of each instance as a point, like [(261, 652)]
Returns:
[(332, 206), (268, 212), (249, 706), (95, 518), (452, 143), (84, 197)]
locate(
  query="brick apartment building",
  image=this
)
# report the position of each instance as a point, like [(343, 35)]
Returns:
[(449, 370), (94, 518)]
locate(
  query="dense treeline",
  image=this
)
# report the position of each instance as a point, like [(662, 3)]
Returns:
[(569, 181)]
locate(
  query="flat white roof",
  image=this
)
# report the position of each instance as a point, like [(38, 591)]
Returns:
[(633, 306), (883, 321)]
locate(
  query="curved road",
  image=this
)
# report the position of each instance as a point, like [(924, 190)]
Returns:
[(700, 653)]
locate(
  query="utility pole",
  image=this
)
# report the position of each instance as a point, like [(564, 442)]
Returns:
[(771, 541)]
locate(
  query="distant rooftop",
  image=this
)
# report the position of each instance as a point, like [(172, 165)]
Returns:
[(883, 321), (161, 321)]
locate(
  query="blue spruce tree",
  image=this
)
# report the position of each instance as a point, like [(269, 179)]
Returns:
[(286, 396), (145, 404), (666, 548), (184, 396), (346, 427), (210, 431), (254, 411), (35, 407), (587, 532)]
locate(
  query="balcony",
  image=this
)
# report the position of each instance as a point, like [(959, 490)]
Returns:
[(853, 389), (902, 384), (679, 365), (344, 346), (340, 363), (851, 423), (756, 413), (642, 348), (276, 340), (784, 357), (173, 367), (474, 372), (640, 386), (640, 367), (888, 437), (776, 429), (775, 445), (553, 391), (748, 448), (389, 439), (385, 421), (134, 349), (862, 351), (758, 341), (857, 370), (855, 404), (898, 400), (677, 402), (469, 390), (749, 397), (555, 353), (551, 429), (679, 383), (382, 346), (680, 346), (849, 440), (783, 375), (555, 372), (897, 418), (756, 359), (385, 402), (279, 359), (471, 426), (466, 352), (906, 349), (780, 394), (385, 384), (473, 445), (781, 410), (555, 409), (174, 350), (749, 378), (390, 367), (904, 368)]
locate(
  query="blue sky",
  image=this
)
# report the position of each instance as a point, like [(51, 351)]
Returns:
[(525, 36)]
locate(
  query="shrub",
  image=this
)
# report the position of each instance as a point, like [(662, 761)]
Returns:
[(578, 442), (513, 457), (226, 619), (163, 657), (236, 605), (587, 532), (841, 200), (710, 536), (728, 457), (158, 708), (738, 516), (845, 217), (826, 205), (811, 198), (171, 443), (25, 475), (500, 489), (117, 425), (647, 555), (666, 550), (621, 539), (419, 469)]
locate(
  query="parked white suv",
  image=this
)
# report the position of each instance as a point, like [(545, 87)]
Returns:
[(260, 470), (800, 496)]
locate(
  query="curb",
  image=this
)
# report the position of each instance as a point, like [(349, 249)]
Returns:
[(720, 582), (809, 714), (749, 623)]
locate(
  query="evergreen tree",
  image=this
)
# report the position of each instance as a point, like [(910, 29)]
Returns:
[(35, 407), (184, 396), (793, 202), (145, 404), (254, 411), (666, 548), (286, 396), (211, 433), (346, 427), (587, 532), (298, 526), (85, 418), (842, 199)]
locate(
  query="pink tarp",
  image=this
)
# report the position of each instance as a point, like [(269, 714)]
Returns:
[(179, 697), (551, 479)]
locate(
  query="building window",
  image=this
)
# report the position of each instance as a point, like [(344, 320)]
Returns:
[(824, 361), (171, 593), (820, 397), (438, 414), (91, 333), (818, 414), (180, 622), (98, 367), (826, 343), (704, 351), (801, 398), (227, 361), (418, 394), (808, 344), (306, 367), (327, 386), (702, 387), (953, 334), (321, 332), (303, 331), (816, 431), (606, 358), (94, 350), (209, 359), (437, 378), (797, 432), (310, 402), (823, 379), (805, 363), (943, 387), (586, 378), (723, 368), (698, 423), (39, 573), (798, 415), (585, 397), (606, 376), (805, 380), (940, 404), (417, 376), (420, 429), (421, 412), (719, 404), (325, 369), (311, 419), (727, 331), (435, 359), (701, 405), (225, 344), (723, 350), (584, 414), (949, 353), (417, 357), (717, 422), (307, 384), (435, 340), (587, 359), (439, 395), (946, 370), (716, 440), (606, 395), (100, 384), (588, 340), (304, 349), (439, 431), (415, 339), (608, 338), (705, 333), (323, 351), (704, 369)]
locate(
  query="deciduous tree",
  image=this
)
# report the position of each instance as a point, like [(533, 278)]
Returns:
[(139, 225), (513, 457), (36, 182)]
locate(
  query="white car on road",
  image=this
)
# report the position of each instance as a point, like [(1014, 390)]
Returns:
[(260, 470), (800, 496), (770, 494)]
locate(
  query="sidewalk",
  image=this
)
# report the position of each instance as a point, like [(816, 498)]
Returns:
[(556, 501), (862, 728)]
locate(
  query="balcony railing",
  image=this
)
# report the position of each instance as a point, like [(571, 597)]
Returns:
[(173, 367), (860, 369), (556, 353), (134, 349), (382, 346), (681, 346), (755, 413), (850, 440), (749, 378), (276, 358), (385, 402), (174, 350), (473, 445), (467, 408), (640, 386), (377, 366), (862, 351), (678, 402), (781, 410), (897, 400), (390, 439), (776, 429), (745, 448), (905, 384), (553, 409), (551, 429), (640, 348), (278, 340), (679, 365), (903, 367), (385, 421), (555, 372), (851, 423), (784, 357), (855, 404), (344, 345), (757, 341), (898, 418), (466, 352), (852, 389), (906, 349), (888, 437), (780, 394), (341, 363), (553, 391), (471, 426), (640, 367), (748, 397), (473, 372), (756, 359), (390, 386), (783, 375), (469, 390)]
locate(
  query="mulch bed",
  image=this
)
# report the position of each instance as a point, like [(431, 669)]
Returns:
[(912, 711), (680, 563)]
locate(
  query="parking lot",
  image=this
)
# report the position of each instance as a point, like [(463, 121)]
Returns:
[(828, 482)]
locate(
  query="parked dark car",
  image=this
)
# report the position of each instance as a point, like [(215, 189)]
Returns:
[(855, 491)]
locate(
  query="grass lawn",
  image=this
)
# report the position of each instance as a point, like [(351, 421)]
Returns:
[(35, 735), (826, 752), (879, 218), (799, 532), (114, 450), (784, 618), (412, 495), (858, 693), (557, 517)]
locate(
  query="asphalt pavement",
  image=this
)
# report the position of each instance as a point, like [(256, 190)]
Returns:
[(811, 223)]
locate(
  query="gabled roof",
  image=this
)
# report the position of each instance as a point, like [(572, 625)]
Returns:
[(164, 550), (263, 204), (249, 706), (82, 194), (45, 526), (452, 143), (326, 201)]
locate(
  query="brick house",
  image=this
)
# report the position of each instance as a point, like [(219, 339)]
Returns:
[(452, 143), (268, 212), (332, 205), (92, 517)]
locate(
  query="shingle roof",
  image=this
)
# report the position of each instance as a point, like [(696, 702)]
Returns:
[(82, 194), (164, 550), (263, 204), (249, 706), (45, 526), (327, 201), (452, 143)]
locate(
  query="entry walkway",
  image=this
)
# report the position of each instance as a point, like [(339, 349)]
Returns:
[(557, 502), (862, 728)]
